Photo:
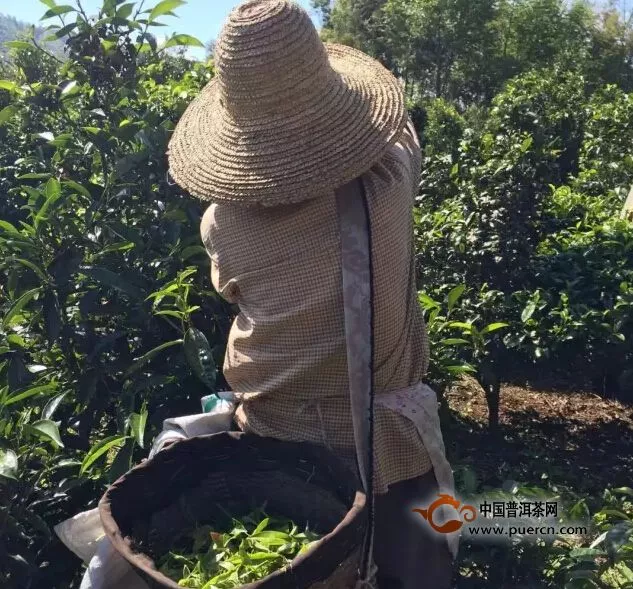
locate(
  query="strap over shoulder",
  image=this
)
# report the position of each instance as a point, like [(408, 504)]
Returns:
[(355, 240)]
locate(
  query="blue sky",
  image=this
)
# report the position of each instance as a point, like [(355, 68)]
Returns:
[(201, 18)]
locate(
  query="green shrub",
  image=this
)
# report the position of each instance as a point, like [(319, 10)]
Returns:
[(584, 316), (506, 215), (444, 128), (109, 321), (607, 561), (606, 158)]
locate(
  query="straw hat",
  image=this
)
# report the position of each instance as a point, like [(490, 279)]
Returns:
[(286, 117)]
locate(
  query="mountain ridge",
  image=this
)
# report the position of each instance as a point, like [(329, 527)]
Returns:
[(12, 29)]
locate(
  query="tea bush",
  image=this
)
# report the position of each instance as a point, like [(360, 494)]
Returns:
[(109, 321), (526, 214), (607, 559), (606, 163)]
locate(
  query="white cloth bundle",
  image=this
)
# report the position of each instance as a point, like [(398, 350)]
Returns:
[(83, 533)]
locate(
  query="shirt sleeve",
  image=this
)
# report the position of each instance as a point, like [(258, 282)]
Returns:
[(226, 286), (400, 165), (411, 143)]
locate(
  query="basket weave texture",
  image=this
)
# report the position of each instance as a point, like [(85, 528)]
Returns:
[(195, 481)]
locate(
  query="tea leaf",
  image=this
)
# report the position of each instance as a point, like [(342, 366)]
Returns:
[(31, 392), (52, 405), (164, 8), (49, 430), (8, 464), (99, 449), (145, 358), (199, 356), (22, 302)]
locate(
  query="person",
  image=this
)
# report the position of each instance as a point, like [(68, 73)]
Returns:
[(285, 124)]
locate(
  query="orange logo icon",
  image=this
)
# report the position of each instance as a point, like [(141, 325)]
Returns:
[(467, 513)]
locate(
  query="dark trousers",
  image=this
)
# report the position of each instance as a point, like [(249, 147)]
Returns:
[(408, 554)]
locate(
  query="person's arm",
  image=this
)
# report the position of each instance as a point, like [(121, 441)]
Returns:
[(412, 144), (225, 285), (404, 161)]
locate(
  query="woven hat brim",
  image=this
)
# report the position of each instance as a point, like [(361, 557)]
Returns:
[(290, 158)]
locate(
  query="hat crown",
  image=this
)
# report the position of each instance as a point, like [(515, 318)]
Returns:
[(269, 59)]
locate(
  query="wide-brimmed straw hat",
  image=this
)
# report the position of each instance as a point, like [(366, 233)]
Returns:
[(286, 117)]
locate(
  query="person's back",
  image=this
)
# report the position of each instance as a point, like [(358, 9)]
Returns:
[(286, 354), (279, 135)]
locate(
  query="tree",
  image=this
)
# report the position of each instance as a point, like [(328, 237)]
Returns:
[(611, 54), (466, 50), (351, 22), (439, 47), (324, 9), (210, 48)]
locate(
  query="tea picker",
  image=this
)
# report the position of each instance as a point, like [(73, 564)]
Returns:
[(306, 155), (113, 563)]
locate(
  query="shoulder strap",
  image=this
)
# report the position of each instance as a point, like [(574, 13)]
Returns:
[(355, 238)]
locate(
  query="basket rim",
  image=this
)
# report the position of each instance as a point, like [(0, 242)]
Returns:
[(326, 549)]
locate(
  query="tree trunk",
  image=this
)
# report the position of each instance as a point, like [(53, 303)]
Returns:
[(490, 382)]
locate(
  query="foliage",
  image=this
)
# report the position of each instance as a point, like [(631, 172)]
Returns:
[(444, 128), (608, 560), (466, 50), (324, 9), (600, 559), (459, 347), (609, 57), (605, 160), (437, 45), (348, 21), (524, 212), (446, 334), (499, 178), (444, 339), (583, 301), (252, 549), (109, 322)]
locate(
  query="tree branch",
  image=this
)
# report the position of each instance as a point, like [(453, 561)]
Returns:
[(46, 52), (82, 11)]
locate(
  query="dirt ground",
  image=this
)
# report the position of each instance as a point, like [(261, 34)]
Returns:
[(575, 440)]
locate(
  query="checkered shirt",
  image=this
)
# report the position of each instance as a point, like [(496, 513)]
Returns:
[(286, 354)]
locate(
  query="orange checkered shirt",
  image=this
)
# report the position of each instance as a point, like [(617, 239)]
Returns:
[(286, 354)]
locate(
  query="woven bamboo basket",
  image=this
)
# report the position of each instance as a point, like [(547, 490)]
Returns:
[(146, 511)]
